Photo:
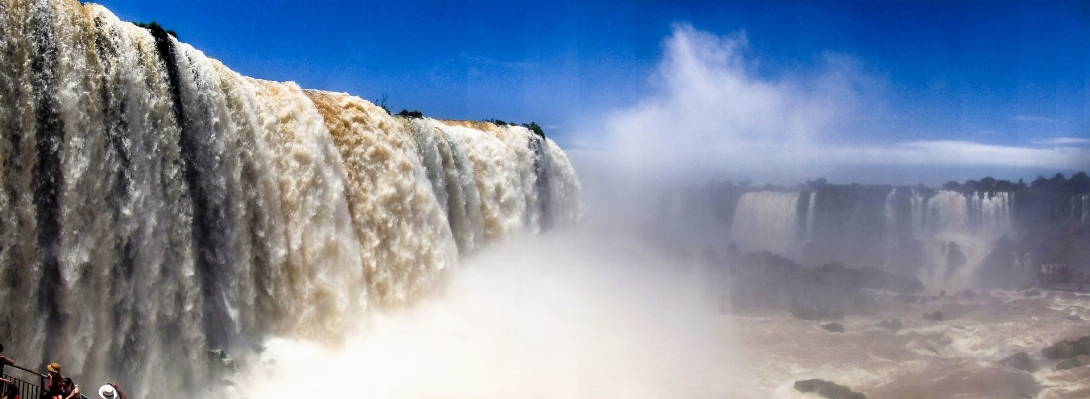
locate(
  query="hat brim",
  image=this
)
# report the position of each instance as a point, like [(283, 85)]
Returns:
[(102, 392)]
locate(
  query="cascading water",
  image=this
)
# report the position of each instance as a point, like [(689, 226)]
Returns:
[(156, 204), (890, 237), (766, 220), (941, 237), (811, 210)]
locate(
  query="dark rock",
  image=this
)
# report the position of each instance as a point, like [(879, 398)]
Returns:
[(1019, 361), (1082, 346), (967, 292), (827, 389), (1073, 317), (1032, 293), (763, 280), (220, 361), (1061, 350), (934, 316), (1068, 364), (833, 327), (892, 325)]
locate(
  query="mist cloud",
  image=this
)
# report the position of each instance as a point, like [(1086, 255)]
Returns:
[(713, 116)]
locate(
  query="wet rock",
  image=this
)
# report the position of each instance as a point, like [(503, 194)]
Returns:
[(892, 325), (1082, 346), (1061, 350), (934, 316), (967, 292), (827, 389), (1032, 293), (833, 327), (1068, 364), (1073, 317), (221, 362), (1019, 361), (763, 280)]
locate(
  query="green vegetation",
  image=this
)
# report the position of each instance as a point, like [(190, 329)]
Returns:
[(153, 25), (1079, 183), (533, 126), (410, 114), (382, 103)]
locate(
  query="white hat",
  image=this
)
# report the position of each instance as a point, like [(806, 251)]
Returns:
[(107, 392)]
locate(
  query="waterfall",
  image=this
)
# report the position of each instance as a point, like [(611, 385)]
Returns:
[(891, 239), (1086, 208), (811, 211), (917, 203), (766, 221), (947, 213), (157, 205)]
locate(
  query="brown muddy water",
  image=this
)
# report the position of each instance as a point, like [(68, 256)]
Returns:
[(958, 357)]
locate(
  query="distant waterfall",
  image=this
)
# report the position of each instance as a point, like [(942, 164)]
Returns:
[(917, 203), (890, 240), (942, 236), (766, 221), (947, 213), (811, 210), (156, 204)]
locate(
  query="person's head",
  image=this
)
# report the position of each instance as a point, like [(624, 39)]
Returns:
[(54, 368), (68, 382), (13, 391)]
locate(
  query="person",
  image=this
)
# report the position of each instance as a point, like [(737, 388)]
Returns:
[(71, 390), (54, 383), (4, 360), (111, 391), (11, 391)]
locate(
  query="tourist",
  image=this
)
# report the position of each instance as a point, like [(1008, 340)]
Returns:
[(71, 390), (54, 382), (10, 390), (4, 360), (111, 391)]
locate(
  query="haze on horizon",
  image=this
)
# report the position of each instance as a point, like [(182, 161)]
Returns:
[(781, 92)]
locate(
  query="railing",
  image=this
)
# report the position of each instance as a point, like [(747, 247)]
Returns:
[(29, 382)]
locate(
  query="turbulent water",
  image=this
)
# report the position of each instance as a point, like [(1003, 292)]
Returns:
[(955, 358), (156, 205)]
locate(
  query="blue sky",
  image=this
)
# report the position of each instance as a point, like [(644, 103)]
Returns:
[(951, 86)]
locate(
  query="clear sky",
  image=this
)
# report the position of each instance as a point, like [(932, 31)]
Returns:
[(779, 90)]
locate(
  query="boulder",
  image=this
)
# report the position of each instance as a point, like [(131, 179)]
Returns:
[(827, 389), (934, 316), (1019, 361), (1061, 350), (1068, 364), (892, 325), (1032, 293), (833, 327)]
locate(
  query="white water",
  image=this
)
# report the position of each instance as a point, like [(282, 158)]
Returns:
[(567, 315), (157, 205), (766, 220)]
